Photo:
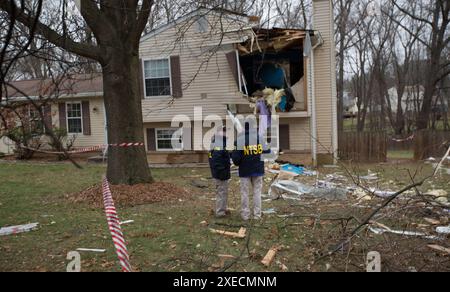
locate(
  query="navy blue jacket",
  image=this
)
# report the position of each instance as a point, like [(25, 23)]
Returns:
[(219, 160), (249, 159)]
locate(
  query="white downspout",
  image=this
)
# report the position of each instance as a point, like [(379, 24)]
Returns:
[(238, 64), (313, 104)]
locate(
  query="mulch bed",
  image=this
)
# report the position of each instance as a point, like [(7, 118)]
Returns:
[(125, 195)]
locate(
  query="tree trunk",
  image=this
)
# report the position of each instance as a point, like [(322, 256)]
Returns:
[(126, 165)]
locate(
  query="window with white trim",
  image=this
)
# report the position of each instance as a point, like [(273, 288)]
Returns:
[(74, 118), (157, 77), (169, 139)]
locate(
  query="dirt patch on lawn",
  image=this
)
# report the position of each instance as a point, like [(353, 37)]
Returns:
[(126, 196)]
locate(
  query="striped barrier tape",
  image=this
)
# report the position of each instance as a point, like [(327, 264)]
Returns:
[(110, 209), (403, 140), (76, 151), (127, 145), (114, 227), (85, 149)]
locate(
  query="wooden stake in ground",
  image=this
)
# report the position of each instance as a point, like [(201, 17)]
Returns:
[(270, 256), (241, 234)]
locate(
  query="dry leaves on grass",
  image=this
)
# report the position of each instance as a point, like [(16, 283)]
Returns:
[(125, 195)]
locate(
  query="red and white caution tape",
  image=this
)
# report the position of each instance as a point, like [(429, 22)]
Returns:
[(403, 140), (114, 227), (85, 149), (75, 151), (127, 145)]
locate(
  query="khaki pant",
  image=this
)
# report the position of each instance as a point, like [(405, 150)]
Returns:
[(221, 197), (247, 184)]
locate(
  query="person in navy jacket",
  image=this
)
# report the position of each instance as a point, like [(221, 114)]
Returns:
[(249, 157), (219, 162)]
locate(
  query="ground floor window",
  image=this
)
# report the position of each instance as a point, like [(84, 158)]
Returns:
[(74, 118), (35, 120), (169, 139)]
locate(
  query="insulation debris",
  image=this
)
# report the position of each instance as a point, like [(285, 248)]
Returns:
[(386, 229)]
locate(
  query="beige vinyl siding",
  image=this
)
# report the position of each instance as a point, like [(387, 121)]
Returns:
[(97, 136), (299, 132), (325, 83), (202, 73)]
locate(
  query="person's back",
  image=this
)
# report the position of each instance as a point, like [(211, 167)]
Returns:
[(219, 162), (248, 154), (249, 157)]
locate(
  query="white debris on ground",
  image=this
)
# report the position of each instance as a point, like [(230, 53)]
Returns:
[(18, 229), (297, 185)]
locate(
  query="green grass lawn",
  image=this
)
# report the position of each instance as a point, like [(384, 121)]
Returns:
[(400, 154), (169, 236)]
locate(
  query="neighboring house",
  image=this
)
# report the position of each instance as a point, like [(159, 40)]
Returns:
[(412, 99), (191, 63), (350, 105), (351, 110), (6, 146)]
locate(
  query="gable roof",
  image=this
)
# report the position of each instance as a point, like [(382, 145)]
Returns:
[(87, 85), (202, 11)]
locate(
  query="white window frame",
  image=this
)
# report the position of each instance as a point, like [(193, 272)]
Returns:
[(169, 150), (144, 79), (67, 117)]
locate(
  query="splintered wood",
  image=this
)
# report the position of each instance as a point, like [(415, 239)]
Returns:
[(439, 248), (241, 234), (270, 256)]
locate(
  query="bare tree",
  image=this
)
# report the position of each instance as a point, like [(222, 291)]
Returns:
[(293, 14), (402, 46), (343, 40), (117, 28), (435, 16)]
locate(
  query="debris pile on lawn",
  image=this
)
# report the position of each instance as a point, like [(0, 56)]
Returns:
[(140, 194)]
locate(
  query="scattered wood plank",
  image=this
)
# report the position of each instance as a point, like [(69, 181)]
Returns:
[(241, 234), (432, 221), (91, 250), (439, 248), (270, 256)]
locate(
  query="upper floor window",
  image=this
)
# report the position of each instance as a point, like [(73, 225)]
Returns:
[(157, 78), (74, 118)]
